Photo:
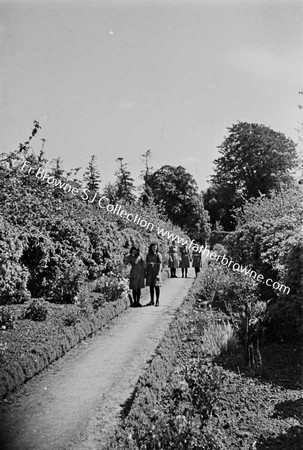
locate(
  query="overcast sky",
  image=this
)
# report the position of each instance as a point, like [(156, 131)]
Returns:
[(115, 78)]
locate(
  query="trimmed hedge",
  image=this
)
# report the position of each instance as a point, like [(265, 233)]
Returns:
[(42, 354), (18, 372)]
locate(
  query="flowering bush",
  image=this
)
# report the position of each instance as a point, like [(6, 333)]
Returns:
[(111, 287)]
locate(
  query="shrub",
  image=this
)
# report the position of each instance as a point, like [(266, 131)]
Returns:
[(111, 287), (7, 318), (13, 282), (37, 256), (266, 232), (212, 282), (269, 236), (37, 311), (226, 289), (204, 381), (284, 315), (84, 300), (236, 291), (231, 293), (13, 275), (69, 274)]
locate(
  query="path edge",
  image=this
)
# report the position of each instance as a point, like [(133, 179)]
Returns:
[(152, 382)]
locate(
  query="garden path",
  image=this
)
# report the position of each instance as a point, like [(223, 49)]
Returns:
[(77, 401)]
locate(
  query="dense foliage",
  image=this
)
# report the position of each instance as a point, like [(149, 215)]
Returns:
[(219, 202), (255, 160), (53, 242), (176, 191), (269, 238)]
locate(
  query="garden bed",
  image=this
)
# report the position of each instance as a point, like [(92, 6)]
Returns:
[(194, 397), (30, 346)]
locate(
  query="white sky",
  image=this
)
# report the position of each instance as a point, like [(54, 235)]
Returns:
[(115, 78)]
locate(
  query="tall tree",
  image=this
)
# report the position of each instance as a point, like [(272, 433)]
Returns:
[(176, 191), (255, 159), (92, 175), (124, 183)]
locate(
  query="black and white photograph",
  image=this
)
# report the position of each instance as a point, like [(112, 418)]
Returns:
[(151, 224)]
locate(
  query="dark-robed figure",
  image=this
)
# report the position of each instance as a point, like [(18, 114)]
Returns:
[(173, 260), (185, 260), (136, 280), (153, 272)]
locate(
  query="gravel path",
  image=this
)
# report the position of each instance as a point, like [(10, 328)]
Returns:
[(76, 402)]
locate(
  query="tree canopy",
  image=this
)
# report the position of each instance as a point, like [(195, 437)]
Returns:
[(176, 191), (255, 159)]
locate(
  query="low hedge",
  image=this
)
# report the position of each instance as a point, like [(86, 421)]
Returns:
[(48, 341), (27, 347)]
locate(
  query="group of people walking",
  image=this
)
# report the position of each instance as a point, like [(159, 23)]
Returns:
[(151, 268), (181, 257)]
